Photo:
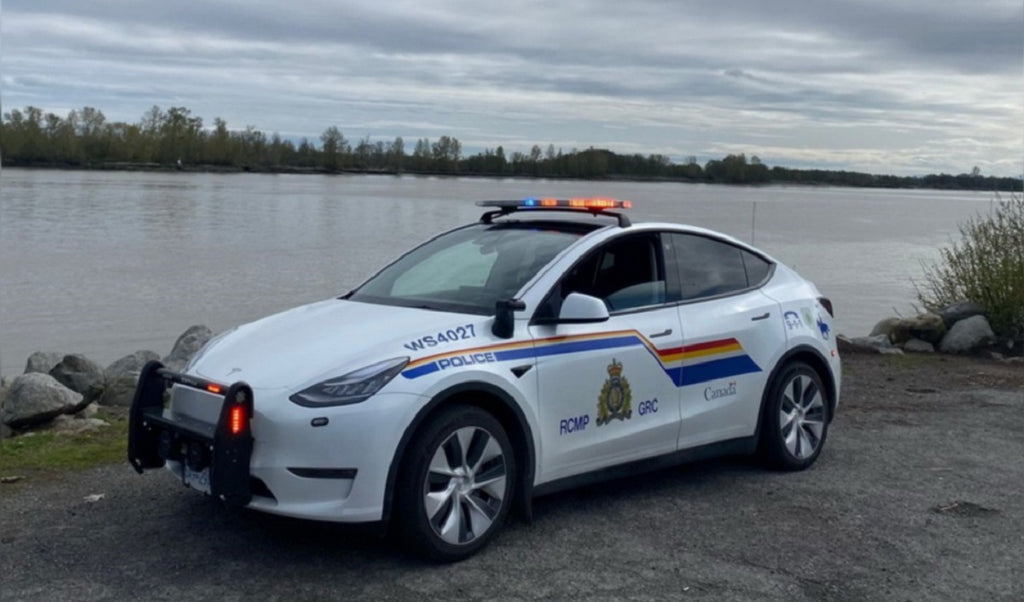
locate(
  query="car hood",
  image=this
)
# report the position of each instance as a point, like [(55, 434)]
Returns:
[(321, 340)]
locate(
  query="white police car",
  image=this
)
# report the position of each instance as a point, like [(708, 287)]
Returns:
[(496, 362)]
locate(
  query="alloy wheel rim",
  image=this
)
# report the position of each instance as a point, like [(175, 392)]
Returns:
[(802, 416), (465, 485)]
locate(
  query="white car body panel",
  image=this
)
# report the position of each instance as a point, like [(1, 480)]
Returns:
[(672, 377)]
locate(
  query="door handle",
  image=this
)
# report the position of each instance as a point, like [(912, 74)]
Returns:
[(663, 333), (763, 316)]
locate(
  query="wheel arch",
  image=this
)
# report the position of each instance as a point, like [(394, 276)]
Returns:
[(813, 358), (499, 404)]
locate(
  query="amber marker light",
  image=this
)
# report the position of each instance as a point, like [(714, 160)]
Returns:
[(212, 388)]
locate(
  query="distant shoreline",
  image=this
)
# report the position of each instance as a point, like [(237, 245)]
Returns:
[(287, 169)]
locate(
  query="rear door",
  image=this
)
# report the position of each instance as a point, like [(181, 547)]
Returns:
[(732, 336)]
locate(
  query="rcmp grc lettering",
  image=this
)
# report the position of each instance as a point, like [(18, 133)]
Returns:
[(572, 425), (647, 407)]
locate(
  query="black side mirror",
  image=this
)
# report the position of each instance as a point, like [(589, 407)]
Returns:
[(504, 317)]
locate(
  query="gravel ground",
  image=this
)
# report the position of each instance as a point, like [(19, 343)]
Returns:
[(917, 496)]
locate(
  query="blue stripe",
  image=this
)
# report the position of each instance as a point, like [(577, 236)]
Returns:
[(419, 371), (578, 346), (713, 370)]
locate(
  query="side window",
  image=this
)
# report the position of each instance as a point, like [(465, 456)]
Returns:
[(757, 268), (626, 273), (708, 267)]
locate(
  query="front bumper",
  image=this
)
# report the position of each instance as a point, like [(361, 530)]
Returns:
[(327, 463), (157, 435)]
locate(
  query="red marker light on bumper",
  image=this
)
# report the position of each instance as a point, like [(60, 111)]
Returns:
[(236, 420)]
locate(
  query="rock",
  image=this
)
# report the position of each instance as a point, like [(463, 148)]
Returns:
[(119, 390), (951, 314), (121, 377), (918, 346), (967, 335), (36, 398), (871, 344), (81, 375), (132, 363), (885, 327), (927, 327), (187, 345), (42, 361)]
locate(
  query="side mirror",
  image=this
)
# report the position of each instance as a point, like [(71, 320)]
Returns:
[(504, 317), (581, 309)]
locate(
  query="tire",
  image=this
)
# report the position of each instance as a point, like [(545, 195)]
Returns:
[(457, 485), (796, 418)]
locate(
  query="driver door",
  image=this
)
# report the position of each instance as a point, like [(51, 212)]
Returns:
[(605, 392)]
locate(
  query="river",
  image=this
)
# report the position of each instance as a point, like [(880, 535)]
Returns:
[(104, 263)]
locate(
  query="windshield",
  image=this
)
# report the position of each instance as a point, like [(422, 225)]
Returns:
[(468, 269)]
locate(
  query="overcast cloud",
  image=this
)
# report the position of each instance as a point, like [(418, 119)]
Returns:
[(884, 86)]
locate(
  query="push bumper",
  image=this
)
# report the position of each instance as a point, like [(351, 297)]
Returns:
[(156, 434)]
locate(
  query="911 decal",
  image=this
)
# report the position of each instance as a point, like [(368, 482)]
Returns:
[(452, 335)]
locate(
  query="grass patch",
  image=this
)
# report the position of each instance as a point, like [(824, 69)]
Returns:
[(47, 451)]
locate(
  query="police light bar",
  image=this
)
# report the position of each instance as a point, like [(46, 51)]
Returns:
[(552, 203), (593, 205)]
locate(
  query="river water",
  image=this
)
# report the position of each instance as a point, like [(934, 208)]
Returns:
[(105, 263)]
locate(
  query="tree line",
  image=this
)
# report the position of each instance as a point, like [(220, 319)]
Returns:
[(177, 139)]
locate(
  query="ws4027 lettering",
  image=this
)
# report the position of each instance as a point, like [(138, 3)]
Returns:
[(459, 333)]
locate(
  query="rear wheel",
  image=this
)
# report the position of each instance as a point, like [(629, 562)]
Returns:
[(796, 417), (457, 487)]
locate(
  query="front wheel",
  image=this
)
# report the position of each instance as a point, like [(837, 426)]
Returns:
[(457, 488), (796, 417)]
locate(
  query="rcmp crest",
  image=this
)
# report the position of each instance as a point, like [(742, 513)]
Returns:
[(615, 397)]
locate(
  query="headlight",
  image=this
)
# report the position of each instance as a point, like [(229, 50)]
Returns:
[(353, 387)]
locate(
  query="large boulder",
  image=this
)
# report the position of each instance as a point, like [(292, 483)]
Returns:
[(953, 313), (926, 327), (36, 398), (967, 336), (43, 361), (121, 377), (885, 327), (187, 345), (80, 374)]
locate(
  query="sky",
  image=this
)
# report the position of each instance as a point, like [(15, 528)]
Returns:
[(906, 87)]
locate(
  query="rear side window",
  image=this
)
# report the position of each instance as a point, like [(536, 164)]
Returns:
[(709, 267)]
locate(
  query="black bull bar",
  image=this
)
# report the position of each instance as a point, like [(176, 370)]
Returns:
[(155, 434)]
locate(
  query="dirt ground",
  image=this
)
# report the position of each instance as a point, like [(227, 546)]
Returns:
[(917, 496)]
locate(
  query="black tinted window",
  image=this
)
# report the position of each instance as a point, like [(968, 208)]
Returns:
[(626, 273), (709, 267), (757, 268)]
